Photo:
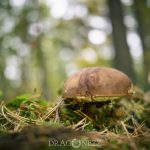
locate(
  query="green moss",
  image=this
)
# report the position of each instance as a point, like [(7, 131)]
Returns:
[(26, 99), (29, 109)]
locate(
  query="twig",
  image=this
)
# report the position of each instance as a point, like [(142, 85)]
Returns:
[(133, 145), (52, 110), (17, 117), (8, 119), (80, 113), (57, 118), (80, 123), (122, 123)]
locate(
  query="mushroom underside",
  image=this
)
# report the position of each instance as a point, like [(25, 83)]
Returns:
[(93, 99)]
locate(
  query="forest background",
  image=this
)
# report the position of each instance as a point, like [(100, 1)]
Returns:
[(42, 42)]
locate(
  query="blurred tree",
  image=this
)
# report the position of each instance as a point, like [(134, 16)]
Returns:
[(142, 12), (50, 40), (3, 80), (4, 83), (123, 60), (43, 73), (16, 41)]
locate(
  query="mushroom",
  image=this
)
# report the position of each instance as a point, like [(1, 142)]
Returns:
[(96, 84)]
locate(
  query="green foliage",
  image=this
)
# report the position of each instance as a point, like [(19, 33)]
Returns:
[(26, 99), (16, 102), (30, 106)]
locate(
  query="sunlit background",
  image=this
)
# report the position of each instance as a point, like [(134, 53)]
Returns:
[(43, 42)]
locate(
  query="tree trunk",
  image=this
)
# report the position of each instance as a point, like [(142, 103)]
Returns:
[(142, 12), (42, 68), (3, 81), (123, 59)]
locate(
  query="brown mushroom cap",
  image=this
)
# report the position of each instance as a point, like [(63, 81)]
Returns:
[(97, 84)]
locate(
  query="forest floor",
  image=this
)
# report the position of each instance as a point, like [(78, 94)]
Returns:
[(28, 122)]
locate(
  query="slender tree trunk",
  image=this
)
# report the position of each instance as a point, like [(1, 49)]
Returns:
[(3, 81), (142, 12), (43, 72), (123, 59)]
